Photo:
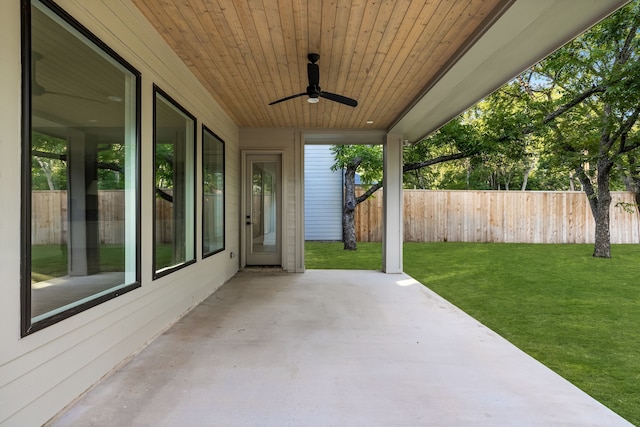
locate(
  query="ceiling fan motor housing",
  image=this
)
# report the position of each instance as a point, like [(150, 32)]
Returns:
[(313, 89)]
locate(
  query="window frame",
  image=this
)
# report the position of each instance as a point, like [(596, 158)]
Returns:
[(27, 326), (155, 273), (205, 129)]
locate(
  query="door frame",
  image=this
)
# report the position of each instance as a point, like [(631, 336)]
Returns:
[(243, 203)]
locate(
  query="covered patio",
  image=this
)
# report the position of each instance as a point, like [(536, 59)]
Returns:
[(332, 348), (117, 91)]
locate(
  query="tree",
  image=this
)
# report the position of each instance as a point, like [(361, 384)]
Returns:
[(456, 140), (573, 114), (365, 160), (48, 163), (580, 109), (587, 93)]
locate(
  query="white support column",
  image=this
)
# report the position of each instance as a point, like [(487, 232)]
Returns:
[(83, 246), (392, 208)]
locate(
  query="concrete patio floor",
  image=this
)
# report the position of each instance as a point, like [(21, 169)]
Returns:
[(332, 348)]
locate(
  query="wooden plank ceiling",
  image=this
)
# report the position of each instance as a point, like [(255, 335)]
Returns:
[(383, 53)]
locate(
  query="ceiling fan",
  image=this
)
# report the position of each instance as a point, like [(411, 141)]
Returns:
[(38, 90), (313, 90)]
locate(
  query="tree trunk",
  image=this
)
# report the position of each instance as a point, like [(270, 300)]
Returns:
[(525, 178), (602, 247), (572, 186), (351, 201), (348, 210), (46, 168), (599, 203)]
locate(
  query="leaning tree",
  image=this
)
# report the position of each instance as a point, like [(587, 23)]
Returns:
[(587, 95)]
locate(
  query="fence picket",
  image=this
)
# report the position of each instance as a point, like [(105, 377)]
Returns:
[(429, 216), (499, 216)]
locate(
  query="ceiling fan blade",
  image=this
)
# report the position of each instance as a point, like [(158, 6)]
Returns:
[(288, 98), (339, 98), (70, 95), (38, 90), (313, 72)]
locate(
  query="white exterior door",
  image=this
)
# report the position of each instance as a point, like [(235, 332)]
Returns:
[(263, 209)]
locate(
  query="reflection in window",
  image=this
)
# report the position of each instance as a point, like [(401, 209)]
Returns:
[(174, 209), (264, 207), (212, 193), (82, 170)]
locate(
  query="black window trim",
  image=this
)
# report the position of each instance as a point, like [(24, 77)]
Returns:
[(27, 327), (224, 195), (158, 91)]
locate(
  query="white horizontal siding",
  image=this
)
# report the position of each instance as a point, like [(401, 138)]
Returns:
[(43, 372), (322, 195)]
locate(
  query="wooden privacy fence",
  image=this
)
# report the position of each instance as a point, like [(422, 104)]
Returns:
[(499, 216), (49, 216), (429, 216)]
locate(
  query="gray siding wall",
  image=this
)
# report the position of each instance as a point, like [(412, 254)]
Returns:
[(322, 195)]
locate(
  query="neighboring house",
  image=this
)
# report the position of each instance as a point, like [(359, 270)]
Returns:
[(323, 189), (173, 97)]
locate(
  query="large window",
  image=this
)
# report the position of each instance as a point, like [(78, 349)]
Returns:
[(174, 178), (212, 193), (80, 169)]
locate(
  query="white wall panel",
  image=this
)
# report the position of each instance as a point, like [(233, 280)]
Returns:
[(288, 142), (322, 195)]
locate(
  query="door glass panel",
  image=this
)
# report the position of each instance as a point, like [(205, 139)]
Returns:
[(264, 207)]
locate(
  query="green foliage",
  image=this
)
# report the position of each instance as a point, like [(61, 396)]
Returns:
[(365, 160), (575, 313), (456, 136), (164, 165), (551, 118), (111, 160), (48, 173), (604, 58), (49, 164)]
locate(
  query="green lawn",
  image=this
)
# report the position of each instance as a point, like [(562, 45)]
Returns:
[(576, 314), (48, 261)]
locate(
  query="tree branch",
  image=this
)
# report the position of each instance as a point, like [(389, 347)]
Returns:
[(164, 195), (436, 160), (110, 166), (413, 166), (592, 197), (625, 53), (48, 155), (569, 105), (624, 131), (364, 196), (63, 157)]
